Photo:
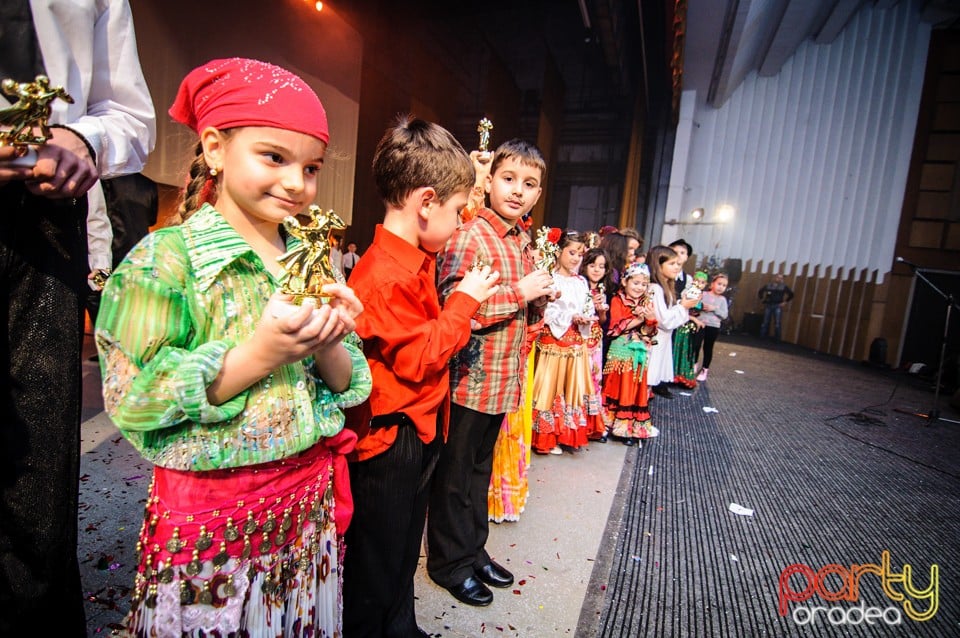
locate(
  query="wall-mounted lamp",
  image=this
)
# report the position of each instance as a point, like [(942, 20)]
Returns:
[(723, 215)]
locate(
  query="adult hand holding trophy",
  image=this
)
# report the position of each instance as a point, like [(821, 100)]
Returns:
[(25, 123), (53, 161)]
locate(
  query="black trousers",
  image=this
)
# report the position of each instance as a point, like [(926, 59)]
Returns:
[(390, 492), (696, 342), (710, 335), (43, 266), (458, 523)]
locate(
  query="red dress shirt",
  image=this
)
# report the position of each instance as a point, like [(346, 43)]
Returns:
[(407, 339)]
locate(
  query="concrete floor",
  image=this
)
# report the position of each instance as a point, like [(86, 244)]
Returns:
[(551, 550)]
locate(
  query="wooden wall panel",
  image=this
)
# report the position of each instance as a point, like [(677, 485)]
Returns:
[(832, 311)]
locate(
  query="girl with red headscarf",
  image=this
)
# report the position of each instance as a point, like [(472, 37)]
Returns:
[(234, 393)]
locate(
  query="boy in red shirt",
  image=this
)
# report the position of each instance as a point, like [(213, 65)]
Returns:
[(424, 176), (486, 375)]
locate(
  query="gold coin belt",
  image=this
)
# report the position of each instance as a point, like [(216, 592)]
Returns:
[(177, 546)]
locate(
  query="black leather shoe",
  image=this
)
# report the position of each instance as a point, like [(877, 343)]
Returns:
[(494, 575), (662, 391), (629, 442), (472, 592)]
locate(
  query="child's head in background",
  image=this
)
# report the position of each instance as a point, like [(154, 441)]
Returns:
[(719, 283), (664, 267), (571, 249), (636, 281), (595, 267), (700, 279)]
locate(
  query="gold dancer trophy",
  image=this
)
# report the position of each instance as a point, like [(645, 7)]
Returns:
[(484, 128), (25, 122), (307, 268), (482, 159)]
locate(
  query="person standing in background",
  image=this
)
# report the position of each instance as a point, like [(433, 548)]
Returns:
[(350, 259), (774, 296), (714, 312), (89, 47), (634, 244), (683, 250)]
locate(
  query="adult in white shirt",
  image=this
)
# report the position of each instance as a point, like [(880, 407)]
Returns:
[(89, 47), (350, 259)]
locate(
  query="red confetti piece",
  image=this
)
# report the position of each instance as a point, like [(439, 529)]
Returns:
[(516, 591), (522, 582)]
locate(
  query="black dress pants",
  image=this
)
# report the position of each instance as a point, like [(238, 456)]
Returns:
[(458, 521), (43, 266), (390, 493)]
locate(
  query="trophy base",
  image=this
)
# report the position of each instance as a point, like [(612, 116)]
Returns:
[(27, 160), (282, 309)]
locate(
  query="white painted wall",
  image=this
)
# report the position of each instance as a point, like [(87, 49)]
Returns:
[(814, 159)]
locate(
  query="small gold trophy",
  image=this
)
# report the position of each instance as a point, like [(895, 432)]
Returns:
[(548, 250), (477, 198), (307, 268), (484, 128), (25, 122)]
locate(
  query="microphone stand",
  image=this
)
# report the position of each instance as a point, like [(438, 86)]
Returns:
[(934, 413)]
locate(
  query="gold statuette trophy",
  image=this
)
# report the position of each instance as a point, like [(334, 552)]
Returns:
[(26, 123), (307, 267), (484, 128), (481, 163)]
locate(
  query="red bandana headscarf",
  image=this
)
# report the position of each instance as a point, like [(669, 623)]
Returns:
[(243, 92)]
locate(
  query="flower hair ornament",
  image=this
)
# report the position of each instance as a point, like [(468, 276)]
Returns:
[(635, 269), (548, 244)]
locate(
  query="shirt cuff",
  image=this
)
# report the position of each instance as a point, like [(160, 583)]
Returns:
[(196, 372), (361, 381), (460, 303)]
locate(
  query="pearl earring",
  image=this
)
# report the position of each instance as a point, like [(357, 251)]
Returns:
[(213, 172)]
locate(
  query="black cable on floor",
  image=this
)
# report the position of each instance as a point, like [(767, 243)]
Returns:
[(880, 447)]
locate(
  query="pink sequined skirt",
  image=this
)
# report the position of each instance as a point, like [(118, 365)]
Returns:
[(253, 551)]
